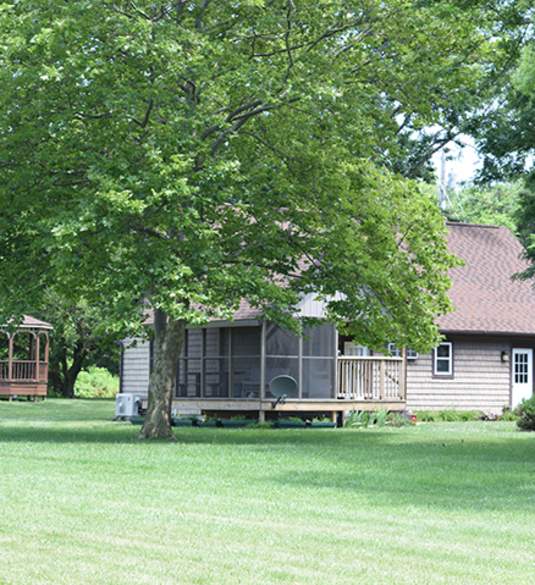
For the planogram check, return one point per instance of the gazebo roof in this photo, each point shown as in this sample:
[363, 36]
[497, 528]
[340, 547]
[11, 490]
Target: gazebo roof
[30, 322]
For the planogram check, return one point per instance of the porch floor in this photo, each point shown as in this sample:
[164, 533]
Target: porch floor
[288, 406]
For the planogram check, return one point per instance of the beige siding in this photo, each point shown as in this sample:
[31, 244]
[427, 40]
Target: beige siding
[135, 370]
[481, 380]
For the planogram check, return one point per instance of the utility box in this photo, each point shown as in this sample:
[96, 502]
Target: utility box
[127, 405]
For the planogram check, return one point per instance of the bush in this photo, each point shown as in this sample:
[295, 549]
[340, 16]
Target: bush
[379, 418]
[508, 415]
[395, 419]
[96, 383]
[357, 418]
[448, 415]
[426, 416]
[526, 422]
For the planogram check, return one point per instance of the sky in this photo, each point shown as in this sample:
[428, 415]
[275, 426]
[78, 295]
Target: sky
[461, 163]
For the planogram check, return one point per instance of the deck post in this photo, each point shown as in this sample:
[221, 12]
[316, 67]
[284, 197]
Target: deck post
[336, 389]
[381, 379]
[37, 352]
[300, 367]
[10, 358]
[261, 417]
[262, 363]
[403, 374]
[203, 361]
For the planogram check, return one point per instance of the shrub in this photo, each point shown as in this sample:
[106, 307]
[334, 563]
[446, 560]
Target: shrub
[96, 383]
[508, 415]
[395, 419]
[526, 422]
[469, 415]
[378, 418]
[448, 415]
[357, 418]
[426, 416]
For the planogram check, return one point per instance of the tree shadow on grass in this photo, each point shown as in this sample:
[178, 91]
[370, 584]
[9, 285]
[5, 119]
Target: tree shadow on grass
[99, 431]
[478, 476]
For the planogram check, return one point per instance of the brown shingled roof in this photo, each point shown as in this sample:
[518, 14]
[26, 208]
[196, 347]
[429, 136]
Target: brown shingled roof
[486, 297]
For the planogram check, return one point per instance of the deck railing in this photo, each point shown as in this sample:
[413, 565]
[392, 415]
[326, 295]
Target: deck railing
[23, 370]
[371, 378]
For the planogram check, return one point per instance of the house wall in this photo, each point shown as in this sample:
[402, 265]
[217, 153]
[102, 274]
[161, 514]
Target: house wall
[481, 380]
[135, 367]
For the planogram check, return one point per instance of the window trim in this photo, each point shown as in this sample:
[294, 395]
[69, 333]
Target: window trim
[450, 372]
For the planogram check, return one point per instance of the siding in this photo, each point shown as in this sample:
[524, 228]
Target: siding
[481, 380]
[135, 374]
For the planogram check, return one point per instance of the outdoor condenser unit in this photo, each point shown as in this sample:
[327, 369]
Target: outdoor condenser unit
[127, 405]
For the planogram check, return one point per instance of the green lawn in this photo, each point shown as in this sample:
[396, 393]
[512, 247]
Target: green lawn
[83, 502]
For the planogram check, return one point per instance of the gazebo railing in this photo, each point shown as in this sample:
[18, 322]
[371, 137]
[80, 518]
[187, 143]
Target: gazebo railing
[371, 378]
[23, 370]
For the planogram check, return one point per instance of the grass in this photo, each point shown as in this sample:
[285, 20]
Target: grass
[83, 501]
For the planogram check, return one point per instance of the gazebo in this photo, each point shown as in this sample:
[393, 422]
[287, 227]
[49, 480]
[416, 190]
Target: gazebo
[24, 359]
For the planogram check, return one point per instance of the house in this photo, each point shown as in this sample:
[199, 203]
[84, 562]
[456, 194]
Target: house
[24, 359]
[485, 361]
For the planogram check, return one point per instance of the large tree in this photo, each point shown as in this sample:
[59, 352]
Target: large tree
[83, 336]
[497, 204]
[179, 156]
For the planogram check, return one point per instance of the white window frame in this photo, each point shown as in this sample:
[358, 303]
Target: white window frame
[449, 359]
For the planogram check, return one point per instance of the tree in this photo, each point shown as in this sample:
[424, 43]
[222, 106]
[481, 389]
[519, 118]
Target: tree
[180, 156]
[496, 204]
[507, 139]
[82, 337]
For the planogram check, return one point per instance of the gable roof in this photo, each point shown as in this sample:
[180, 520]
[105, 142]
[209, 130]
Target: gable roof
[29, 322]
[486, 297]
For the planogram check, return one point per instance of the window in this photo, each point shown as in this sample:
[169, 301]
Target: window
[443, 359]
[394, 351]
[351, 348]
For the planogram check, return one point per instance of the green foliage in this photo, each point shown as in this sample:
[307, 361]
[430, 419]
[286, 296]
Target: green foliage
[183, 156]
[83, 336]
[496, 204]
[396, 419]
[509, 415]
[447, 415]
[357, 418]
[186, 153]
[364, 419]
[96, 382]
[526, 422]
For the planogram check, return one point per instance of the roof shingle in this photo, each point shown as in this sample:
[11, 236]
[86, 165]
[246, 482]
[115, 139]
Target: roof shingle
[486, 297]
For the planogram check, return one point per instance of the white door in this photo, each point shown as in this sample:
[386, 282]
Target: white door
[522, 373]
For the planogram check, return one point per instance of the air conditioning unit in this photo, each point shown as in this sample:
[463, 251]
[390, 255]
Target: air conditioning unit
[127, 405]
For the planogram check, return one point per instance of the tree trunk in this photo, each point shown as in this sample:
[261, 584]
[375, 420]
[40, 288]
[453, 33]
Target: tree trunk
[71, 374]
[62, 376]
[168, 341]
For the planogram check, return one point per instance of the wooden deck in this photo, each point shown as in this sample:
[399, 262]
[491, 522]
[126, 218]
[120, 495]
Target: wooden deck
[23, 378]
[362, 383]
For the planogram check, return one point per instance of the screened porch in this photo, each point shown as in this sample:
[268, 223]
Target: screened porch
[259, 365]
[258, 361]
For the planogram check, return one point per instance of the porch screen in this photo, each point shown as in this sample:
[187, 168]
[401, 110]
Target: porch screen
[245, 358]
[319, 361]
[282, 358]
[216, 363]
[220, 362]
[188, 378]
